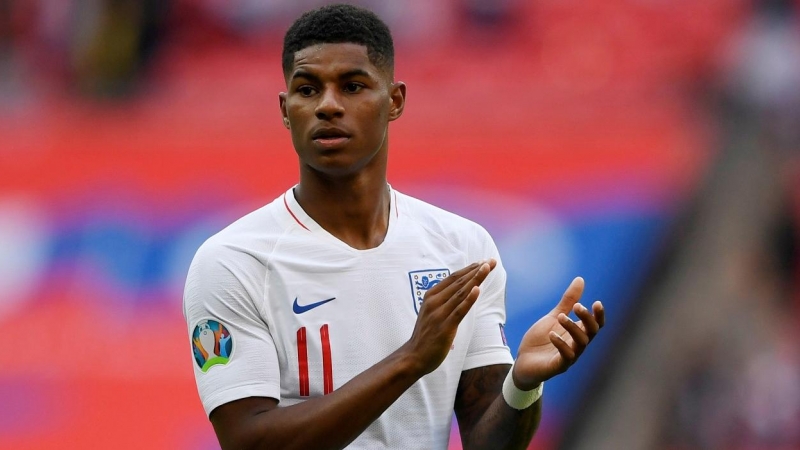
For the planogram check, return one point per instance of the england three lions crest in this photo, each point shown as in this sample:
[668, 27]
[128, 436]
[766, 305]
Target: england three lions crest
[422, 280]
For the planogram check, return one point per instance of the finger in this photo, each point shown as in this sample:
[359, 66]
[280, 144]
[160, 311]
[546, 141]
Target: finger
[564, 349]
[461, 309]
[571, 296]
[458, 281]
[599, 313]
[461, 294]
[590, 325]
[459, 289]
[453, 277]
[578, 335]
[466, 272]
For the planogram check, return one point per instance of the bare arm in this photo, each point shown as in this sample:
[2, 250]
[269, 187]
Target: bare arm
[548, 348]
[335, 420]
[331, 421]
[485, 420]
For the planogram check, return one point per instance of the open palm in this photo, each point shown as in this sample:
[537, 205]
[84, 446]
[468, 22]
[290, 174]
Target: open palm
[555, 342]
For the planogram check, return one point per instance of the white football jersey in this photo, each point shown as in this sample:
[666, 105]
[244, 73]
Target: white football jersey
[278, 307]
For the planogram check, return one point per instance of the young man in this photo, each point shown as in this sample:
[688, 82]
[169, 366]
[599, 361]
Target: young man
[346, 313]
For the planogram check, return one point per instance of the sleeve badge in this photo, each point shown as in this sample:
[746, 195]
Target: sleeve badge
[212, 344]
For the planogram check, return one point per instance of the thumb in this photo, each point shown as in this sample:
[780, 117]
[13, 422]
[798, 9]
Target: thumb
[571, 296]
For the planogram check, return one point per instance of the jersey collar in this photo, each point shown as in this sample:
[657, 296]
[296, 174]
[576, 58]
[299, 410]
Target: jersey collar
[306, 224]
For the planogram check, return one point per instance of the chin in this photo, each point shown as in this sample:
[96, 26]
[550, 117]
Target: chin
[336, 169]
[340, 162]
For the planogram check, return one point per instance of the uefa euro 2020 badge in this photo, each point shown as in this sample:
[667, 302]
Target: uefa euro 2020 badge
[212, 344]
[422, 280]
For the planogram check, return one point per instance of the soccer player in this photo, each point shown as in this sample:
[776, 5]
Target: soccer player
[345, 313]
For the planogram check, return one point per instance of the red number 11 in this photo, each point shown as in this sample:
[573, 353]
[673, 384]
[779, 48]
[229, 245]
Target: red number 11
[302, 358]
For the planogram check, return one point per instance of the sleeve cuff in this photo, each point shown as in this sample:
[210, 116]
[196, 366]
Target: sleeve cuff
[488, 359]
[236, 393]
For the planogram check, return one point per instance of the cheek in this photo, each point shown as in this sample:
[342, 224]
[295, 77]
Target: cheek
[297, 138]
[298, 121]
[295, 113]
[376, 119]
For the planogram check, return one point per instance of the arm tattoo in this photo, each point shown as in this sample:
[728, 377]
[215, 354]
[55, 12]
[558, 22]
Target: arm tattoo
[484, 419]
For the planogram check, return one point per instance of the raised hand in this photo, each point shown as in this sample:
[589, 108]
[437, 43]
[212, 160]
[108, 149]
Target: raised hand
[443, 308]
[555, 342]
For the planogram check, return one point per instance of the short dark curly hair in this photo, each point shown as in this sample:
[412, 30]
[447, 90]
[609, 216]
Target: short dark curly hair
[340, 23]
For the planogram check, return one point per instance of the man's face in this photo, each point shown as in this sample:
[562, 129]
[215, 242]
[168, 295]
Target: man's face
[338, 106]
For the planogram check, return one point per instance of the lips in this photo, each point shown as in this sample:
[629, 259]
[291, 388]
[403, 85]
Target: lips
[329, 133]
[329, 137]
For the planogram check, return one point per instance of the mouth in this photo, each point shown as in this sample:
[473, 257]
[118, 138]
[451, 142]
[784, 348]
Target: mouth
[329, 137]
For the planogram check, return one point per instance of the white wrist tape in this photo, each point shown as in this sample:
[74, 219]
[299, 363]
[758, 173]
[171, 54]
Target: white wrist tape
[517, 398]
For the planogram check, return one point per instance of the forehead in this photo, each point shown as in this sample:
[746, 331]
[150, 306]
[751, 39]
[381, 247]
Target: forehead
[333, 59]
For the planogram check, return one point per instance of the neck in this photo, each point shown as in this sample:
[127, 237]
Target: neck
[354, 209]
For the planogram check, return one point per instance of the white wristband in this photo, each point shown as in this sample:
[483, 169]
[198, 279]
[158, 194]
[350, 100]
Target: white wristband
[516, 397]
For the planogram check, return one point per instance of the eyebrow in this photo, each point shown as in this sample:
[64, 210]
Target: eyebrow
[300, 73]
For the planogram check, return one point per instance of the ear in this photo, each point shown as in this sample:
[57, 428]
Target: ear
[282, 102]
[397, 94]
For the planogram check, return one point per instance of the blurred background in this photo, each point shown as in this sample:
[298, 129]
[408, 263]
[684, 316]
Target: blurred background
[650, 146]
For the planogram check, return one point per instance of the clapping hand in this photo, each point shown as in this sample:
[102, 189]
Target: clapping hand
[555, 341]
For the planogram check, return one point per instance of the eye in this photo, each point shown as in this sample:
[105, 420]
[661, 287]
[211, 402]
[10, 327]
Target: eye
[306, 90]
[352, 87]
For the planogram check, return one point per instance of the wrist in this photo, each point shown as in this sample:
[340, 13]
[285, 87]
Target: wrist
[410, 364]
[518, 398]
[523, 386]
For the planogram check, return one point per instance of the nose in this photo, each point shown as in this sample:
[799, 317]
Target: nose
[329, 105]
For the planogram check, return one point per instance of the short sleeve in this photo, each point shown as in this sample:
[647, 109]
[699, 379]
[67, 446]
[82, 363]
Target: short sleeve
[488, 343]
[233, 352]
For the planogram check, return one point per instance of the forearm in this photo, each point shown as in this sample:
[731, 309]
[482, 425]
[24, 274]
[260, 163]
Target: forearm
[331, 421]
[502, 427]
[485, 419]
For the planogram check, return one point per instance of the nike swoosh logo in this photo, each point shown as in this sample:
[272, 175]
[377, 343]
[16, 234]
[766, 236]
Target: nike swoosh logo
[300, 309]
